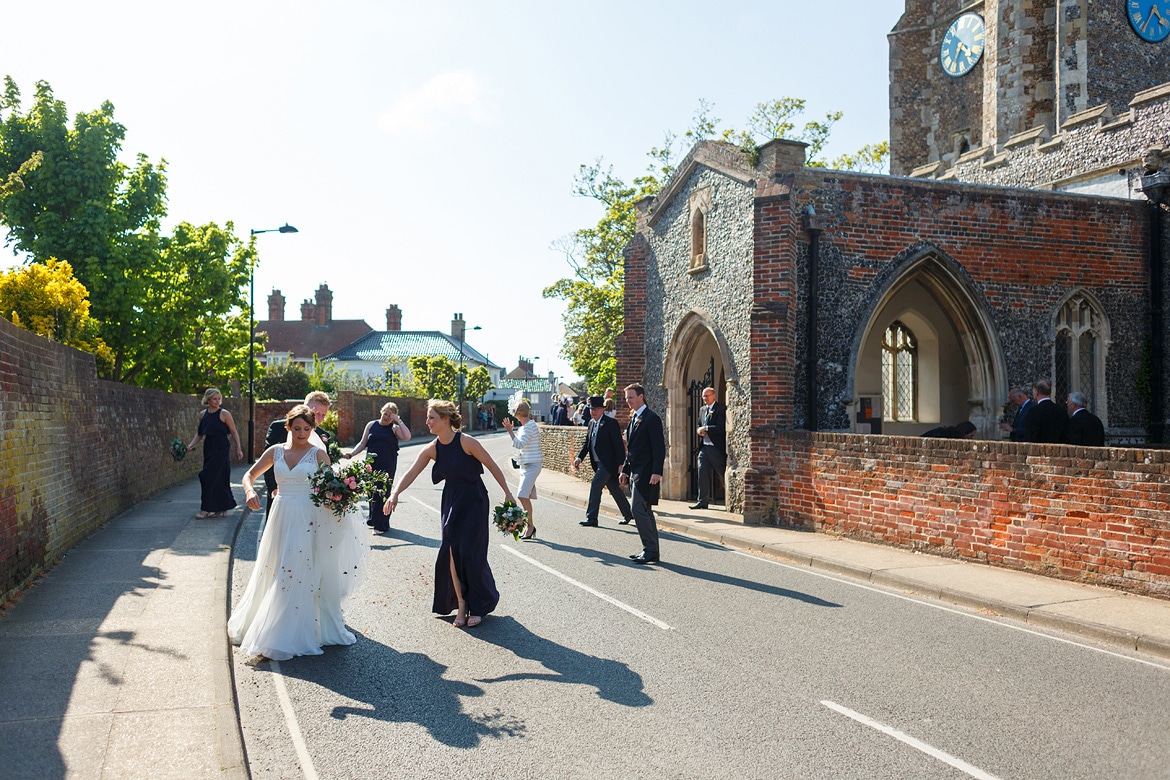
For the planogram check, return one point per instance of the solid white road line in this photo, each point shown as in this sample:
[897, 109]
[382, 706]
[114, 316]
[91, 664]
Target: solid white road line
[290, 719]
[943, 608]
[917, 744]
[621, 605]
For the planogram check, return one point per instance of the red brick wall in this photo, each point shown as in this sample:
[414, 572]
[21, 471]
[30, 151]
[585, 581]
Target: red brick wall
[353, 412]
[77, 451]
[1097, 515]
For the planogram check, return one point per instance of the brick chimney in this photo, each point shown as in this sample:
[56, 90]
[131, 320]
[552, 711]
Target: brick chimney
[458, 326]
[275, 306]
[324, 305]
[308, 311]
[525, 365]
[394, 318]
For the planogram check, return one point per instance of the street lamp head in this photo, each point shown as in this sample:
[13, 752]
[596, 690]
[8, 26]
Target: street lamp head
[287, 228]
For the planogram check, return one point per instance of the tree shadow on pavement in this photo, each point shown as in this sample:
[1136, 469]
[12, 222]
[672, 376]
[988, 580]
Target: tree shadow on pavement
[613, 680]
[759, 587]
[401, 688]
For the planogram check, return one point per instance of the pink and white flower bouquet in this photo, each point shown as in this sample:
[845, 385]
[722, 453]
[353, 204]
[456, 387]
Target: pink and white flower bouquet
[339, 487]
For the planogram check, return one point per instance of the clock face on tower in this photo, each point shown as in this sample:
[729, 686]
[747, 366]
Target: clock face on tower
[1150, 19]
[962, 46]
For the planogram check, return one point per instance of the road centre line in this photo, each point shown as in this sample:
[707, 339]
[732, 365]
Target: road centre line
[917, 744]
[294, 730]
[943, 608]
[610, 599]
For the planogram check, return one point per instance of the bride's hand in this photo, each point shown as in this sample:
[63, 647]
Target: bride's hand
[252, 500]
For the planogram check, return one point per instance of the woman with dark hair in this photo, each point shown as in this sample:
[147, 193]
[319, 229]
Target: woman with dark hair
[216, 427]
[308, 559]
[381, 438]
[463, 579]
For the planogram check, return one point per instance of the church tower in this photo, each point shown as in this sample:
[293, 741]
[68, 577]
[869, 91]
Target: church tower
[967, 78]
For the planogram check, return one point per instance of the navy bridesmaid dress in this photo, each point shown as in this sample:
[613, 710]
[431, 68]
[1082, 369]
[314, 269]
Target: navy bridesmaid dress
[465, 532]
[216, 477]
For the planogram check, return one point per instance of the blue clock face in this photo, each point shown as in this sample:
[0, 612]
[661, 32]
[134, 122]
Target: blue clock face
[962, 46]
[1150, 19]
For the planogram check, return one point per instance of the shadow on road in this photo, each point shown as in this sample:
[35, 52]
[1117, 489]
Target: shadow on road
[401, 688]
[613, 680]
[759, 587]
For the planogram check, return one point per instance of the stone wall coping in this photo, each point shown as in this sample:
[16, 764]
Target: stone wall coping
[706, 153]
[1151, 94]
[1027, 137]
[927, 170]
[1088, 115]
[974, 154]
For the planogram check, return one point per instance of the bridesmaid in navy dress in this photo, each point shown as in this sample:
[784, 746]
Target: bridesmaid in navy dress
[463, 579]
[216, 426]
[381, 438]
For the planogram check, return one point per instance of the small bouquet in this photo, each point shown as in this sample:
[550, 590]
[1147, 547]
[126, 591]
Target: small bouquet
[510, 519]
[178, 449]
[340, 487]
[333, 449]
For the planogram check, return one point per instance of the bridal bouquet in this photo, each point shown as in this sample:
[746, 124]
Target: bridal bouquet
[510, 519]
[178, 449]
[339, 487]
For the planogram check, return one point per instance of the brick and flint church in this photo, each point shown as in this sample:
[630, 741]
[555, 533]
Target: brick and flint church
[1022, 235]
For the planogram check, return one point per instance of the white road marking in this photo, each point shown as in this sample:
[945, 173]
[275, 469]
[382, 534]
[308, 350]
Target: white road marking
[621, 605]
[428, 506]
[917, 744]
[959, 612]
[290, 719]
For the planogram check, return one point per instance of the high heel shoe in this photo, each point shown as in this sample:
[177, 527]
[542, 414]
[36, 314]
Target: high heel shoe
[531, 535]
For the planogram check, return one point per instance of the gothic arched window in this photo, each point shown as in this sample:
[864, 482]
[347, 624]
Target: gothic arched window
[1079, 357]
[899, 374]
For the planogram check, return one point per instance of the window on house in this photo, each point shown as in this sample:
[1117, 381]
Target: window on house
[1078, 358]
[899, 374]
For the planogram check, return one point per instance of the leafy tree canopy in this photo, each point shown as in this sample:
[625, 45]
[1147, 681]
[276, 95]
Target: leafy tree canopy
[164, 304]
[46, 299]
[595, 291]
[282, 380]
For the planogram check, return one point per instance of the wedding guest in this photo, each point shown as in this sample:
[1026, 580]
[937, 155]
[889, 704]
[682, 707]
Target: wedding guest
[308, 560]
[603, 444]
[318, 403]
[1047, 420]
[645, 457]
[1023, 405]
[712, 433]
[1084, 428]
[964, 430]
[463, 579]
[531, 460]
[381, 438]
[216, 427]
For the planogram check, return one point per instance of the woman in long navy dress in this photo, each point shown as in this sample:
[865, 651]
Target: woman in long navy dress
[381, 437]
[216, 426]
[463, 579]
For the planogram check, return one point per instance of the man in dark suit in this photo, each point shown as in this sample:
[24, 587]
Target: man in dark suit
[713, 451]
[1023, 403]
[645, 456]
[278, 434]
[1046, 421]
[603, 444]
[1084, 427]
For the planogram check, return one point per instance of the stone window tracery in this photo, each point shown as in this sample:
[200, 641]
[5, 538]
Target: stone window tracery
[700, 206]
[1078, 354]
[899, 374]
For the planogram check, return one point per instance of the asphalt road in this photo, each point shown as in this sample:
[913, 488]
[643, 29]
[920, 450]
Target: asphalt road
[713, 664]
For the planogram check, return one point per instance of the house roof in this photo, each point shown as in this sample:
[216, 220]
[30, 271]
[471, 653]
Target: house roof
[304, 338]
[532, 385]
[382, 345]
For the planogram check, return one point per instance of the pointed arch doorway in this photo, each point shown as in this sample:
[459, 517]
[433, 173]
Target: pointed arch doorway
[698, 357]
[930, 352]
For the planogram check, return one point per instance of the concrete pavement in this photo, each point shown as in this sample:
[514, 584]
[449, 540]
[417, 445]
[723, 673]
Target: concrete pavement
[116, 664]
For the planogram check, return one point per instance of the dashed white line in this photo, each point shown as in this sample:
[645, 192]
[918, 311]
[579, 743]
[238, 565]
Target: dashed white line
[917, 744]
[290, 719]
[610, 599]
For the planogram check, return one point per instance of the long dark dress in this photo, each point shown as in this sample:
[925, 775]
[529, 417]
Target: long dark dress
[384, 445]
[465, 532]
[216, 477]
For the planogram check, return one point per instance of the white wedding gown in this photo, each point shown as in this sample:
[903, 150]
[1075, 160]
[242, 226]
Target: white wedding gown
[308, 561]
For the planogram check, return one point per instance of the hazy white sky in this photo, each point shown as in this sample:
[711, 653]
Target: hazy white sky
[426, 150]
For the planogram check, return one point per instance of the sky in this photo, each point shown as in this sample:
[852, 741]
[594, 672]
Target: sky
[426, 151]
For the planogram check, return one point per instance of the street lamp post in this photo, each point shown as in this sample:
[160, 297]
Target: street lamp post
[462, 378]
[285, 228]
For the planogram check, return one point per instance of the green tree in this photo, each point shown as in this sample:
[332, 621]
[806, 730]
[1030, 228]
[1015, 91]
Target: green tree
[595, 292]
[434, 376]
[478, 382]
[158, 300]
[282, 380]
[45, 299]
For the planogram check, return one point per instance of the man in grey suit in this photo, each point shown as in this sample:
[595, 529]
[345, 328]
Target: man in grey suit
[645, 457]
[713, 451]
[603, 444]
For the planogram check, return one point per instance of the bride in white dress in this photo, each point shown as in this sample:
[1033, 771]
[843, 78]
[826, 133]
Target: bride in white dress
[308, 561]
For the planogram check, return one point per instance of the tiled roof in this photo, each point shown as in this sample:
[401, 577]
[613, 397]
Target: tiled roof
[537, 385]
[382, 345]
[304, 338]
